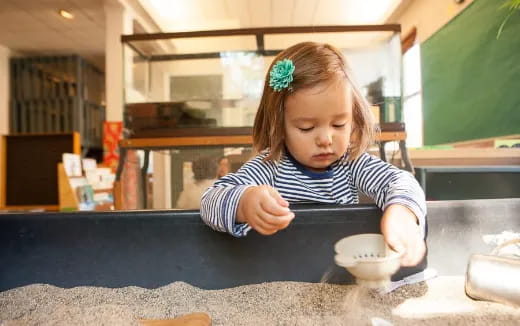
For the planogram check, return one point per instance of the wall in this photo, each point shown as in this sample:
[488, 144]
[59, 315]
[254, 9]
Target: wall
[118, 21]
[428, 16]
[470, 78]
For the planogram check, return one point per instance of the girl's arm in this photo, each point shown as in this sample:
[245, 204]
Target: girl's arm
[388, 185]
[219, 203]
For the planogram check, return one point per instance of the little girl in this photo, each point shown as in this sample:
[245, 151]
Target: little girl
[312, 130]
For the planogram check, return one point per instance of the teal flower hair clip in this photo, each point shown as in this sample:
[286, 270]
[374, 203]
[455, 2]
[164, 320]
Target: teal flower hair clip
[281, 75]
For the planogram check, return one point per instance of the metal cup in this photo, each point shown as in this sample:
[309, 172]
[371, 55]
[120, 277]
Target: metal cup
[494, 278]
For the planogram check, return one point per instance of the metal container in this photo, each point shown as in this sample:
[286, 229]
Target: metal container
[494, 277]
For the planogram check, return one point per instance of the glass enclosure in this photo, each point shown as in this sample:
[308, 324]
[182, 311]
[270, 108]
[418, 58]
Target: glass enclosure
[209, 83]
[184, 80]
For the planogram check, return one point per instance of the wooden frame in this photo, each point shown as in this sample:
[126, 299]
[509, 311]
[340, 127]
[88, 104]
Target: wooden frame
[165, 142]
[465, 156]
[258, 32]
[408, 40]
[264, 31]
[151, 143]
[482, 143]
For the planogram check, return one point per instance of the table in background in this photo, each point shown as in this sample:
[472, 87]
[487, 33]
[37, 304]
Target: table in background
[469, 182]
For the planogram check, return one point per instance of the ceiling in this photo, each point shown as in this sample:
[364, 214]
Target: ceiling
[180, 15]
[34, 27]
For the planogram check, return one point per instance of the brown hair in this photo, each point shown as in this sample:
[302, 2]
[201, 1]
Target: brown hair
[315, 63]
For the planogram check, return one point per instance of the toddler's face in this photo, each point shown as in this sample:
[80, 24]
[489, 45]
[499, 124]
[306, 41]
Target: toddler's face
[318, 123]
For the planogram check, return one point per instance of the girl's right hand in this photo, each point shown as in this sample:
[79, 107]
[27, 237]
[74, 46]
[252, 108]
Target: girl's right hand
[264, 210]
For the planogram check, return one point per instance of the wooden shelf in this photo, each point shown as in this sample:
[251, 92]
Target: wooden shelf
[166, 142]
[465, 156]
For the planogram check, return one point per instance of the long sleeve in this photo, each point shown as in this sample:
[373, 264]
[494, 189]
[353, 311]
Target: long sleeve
[383, 182]
[219, 202]
[389, 185]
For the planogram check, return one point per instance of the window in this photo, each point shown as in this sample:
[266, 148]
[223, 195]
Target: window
[412, 99]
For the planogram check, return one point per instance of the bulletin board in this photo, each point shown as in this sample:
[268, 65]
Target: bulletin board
[30, 169]
[470, 79]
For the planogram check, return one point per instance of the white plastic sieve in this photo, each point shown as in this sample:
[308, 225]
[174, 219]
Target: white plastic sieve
[368, 258]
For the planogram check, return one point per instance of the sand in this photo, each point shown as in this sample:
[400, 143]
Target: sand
[440, 301]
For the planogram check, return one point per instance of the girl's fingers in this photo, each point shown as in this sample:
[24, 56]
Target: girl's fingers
[272, 206]
[395, 243]
[417, 247]
[418, 253]
[282, 221]
[270, 213]
[278, 221]
[401, 247]
[267, 220]
[261, 227]
[409, 257]
[415, 251]
[266, 223]
[278, 198]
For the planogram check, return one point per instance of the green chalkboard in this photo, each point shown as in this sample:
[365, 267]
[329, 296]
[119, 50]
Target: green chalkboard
[471, 79]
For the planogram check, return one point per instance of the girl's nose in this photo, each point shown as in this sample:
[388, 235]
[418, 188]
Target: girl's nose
[324, 138]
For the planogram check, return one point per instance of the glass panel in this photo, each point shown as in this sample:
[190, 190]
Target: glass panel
[413, 121]
[136, 73]
[221, 92]
[178, 84]
[377, 71]
[412, 104]
[211, 86]
[374, 59]
[412, 71]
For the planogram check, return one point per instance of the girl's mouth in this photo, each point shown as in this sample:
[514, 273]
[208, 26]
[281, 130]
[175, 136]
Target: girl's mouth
[324, 156]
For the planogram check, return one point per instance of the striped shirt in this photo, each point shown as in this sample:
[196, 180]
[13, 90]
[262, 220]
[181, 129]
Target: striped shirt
[381, 181]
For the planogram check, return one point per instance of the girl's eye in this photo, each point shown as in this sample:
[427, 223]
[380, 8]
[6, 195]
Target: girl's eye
[339, 126]
[306, 129]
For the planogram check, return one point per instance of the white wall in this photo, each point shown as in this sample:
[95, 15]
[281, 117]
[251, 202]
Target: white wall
[118, 21]
[428, 16]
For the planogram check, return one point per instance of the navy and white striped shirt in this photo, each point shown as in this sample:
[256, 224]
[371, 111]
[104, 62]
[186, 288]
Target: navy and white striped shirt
[381, 181]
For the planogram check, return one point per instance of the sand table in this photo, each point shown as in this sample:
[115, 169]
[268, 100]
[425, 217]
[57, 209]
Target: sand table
[440, 301]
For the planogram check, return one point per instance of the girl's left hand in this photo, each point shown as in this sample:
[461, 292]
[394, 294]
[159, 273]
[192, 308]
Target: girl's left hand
[402, 233]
